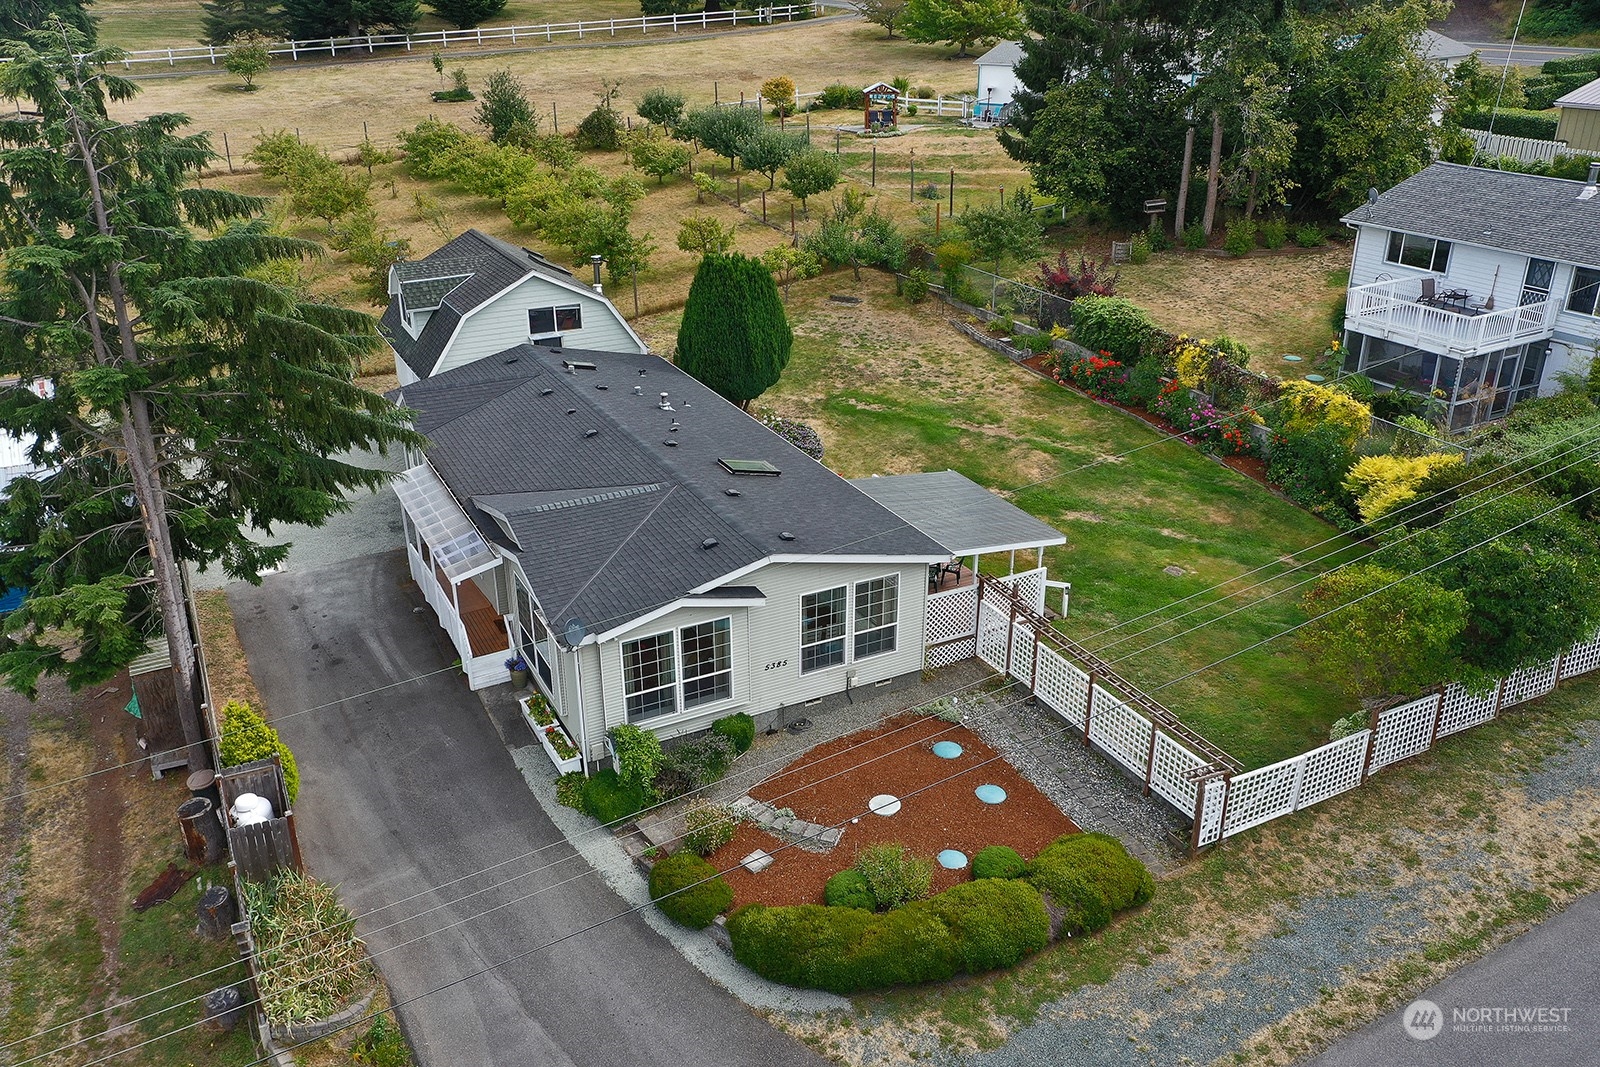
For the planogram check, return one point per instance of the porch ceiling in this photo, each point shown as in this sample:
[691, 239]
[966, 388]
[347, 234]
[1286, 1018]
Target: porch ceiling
[958, 513]
[458, 549]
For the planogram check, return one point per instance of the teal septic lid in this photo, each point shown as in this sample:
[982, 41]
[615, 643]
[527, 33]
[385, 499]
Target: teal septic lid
[946, 749]
[1315, 378]
[1290, 357]
[952, 860]
[990, 794]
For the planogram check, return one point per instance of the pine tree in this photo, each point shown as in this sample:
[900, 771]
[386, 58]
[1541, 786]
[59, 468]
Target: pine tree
[734, 336]
[465, 14]
[223, 20]
[309, 20]
[193, 400]
[17, 17]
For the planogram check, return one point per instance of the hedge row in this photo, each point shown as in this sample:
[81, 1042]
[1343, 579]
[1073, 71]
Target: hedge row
[970, 928]
[1543, 92]
[1513, 122]
[1587, 64]
[1087, 878]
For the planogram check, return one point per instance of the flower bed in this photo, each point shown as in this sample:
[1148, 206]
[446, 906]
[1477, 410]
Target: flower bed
[557, 743]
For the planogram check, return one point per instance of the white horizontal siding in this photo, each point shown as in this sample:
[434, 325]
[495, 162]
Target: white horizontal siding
[504, 322]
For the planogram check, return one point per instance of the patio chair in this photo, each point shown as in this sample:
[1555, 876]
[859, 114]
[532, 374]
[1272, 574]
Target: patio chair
[1430, 291]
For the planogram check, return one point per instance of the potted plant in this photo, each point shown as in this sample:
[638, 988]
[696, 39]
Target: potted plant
[520, 675]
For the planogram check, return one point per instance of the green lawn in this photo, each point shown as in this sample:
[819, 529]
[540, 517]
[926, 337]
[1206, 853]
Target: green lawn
[892, 389]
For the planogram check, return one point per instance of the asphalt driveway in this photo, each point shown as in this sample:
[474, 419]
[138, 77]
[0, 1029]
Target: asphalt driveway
[409, 788]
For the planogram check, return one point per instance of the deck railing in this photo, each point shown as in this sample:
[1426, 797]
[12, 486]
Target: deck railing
[1394, 310]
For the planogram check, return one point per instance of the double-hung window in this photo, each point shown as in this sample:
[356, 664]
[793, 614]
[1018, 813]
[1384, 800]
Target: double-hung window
[1424, 253]
[822, 628]
[678, 670]
[1585, 296]
[877, 615]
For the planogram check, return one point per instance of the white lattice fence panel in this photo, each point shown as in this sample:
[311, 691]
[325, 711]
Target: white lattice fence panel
[1263, 795]
[1029, 587]
[1404, 731]
[1022, 653]
[1062, 686]
[1123, 733]
[953, 614]
[1166, 773]
[1464, 709]
[952, 652]
[1211, 812]
[992, 627]
[1529, 683]
[1581, 659]
[1332, 769]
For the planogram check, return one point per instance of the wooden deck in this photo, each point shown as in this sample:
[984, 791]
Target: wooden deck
[948, 582]
[486, 630]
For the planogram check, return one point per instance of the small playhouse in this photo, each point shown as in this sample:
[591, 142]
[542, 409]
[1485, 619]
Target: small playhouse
[882, 102]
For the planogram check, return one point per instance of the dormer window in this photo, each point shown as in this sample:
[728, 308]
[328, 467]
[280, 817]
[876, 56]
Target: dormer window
[543, 322]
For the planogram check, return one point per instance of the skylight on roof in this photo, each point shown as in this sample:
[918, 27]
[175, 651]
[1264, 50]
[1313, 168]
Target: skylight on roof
[758, 467]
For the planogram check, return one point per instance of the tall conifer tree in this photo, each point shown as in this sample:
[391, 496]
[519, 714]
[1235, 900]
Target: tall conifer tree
[734, 336]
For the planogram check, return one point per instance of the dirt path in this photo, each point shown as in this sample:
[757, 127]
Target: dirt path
[110, 735]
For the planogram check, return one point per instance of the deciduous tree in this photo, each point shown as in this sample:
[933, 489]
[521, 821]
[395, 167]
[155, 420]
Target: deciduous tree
[247, 57]
[191, 402]
[766, 151]
[1383, 634]
[961, 22]
[661, 107]
[734, 336]
[883, 13]
[809, 172]
[657, 156]
[704, 235]
[724, 130]
[504, 106]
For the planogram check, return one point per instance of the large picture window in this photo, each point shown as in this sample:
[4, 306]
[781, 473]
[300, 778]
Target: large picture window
[707, 662]
[877, 615]
[1424, 253]
[648, 677]
[1585, 296]
[822, 629]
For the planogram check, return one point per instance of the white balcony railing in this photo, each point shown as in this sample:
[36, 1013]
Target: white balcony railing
[1394, 310]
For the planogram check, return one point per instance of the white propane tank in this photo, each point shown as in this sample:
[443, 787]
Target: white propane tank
[250, 808]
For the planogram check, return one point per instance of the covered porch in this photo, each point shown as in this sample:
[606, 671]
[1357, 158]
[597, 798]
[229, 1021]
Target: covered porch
[447, 554]
[970, 522]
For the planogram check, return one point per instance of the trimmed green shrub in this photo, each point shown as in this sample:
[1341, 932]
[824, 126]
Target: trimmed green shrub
[1586, 64]
[708, 827]
[1102, 859]
[848, 889]
[1513, 122]
[970, 928]
[839, 96]
[1194, 236]
[1113, 325]
[739, 728]
[1077, 907]
[689, 890]
[893, 875]
[992, 923]
[1240, 238]
[608, 798]
[1274, 232]
[691, 765]
[246, 737]
[734, 337]
[998, 861]
[1310, 235]
[639, 754]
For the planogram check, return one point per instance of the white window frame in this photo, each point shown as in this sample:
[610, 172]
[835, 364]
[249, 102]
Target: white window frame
[1593, 289]
[723, 669]
[843, 636]
[1433, 266]
[893, 625]
[679, 679]
[556, 311]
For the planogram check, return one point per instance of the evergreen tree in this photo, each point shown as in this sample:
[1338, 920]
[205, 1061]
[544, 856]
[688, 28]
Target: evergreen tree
[734, 336]
[17, 17]
[223, 20]
[504, 106]
[193, 399]
[310, 20]
[465, 14]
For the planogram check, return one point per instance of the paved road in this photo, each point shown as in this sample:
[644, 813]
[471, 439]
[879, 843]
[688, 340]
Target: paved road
[1555, 966]
[411, 788]
[1527, 55]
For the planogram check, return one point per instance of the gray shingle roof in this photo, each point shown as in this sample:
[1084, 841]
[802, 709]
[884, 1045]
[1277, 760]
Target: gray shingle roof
[958, 513]
[1524, 213]
[1436, 46]
[490, 265]
[1004, 54]
[612, 523]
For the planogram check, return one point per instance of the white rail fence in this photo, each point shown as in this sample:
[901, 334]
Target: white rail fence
[1522, 149]
[547, 33]
[1221, 803]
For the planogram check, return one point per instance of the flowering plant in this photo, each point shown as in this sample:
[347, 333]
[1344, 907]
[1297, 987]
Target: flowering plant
[1099, 376]
[559, 741]
[516, 663]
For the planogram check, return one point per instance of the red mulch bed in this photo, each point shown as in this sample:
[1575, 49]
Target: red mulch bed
[832, 783]
[1252, 467]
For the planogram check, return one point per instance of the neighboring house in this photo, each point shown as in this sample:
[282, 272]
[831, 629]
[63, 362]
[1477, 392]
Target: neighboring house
[1478, 286]
[1579, 124]
[478, 294]
[1444, 51]
[659, 557]
[997, 80]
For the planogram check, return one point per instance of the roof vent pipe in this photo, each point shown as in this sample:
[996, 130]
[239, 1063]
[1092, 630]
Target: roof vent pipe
[595, 261]
[665, 405]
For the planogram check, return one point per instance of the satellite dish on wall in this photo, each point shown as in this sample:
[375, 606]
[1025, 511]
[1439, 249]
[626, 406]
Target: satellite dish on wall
[575, 632]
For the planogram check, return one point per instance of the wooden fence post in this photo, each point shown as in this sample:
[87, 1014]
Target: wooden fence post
[1499, 697]
[1227, 795]
[1372, 743]
[1150, 760]
[1011, 635]
[1088, 710]
[1033, 669]
[1438, 713]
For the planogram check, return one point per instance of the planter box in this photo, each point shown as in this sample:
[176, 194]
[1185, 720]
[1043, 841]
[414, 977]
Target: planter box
[562, 766]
